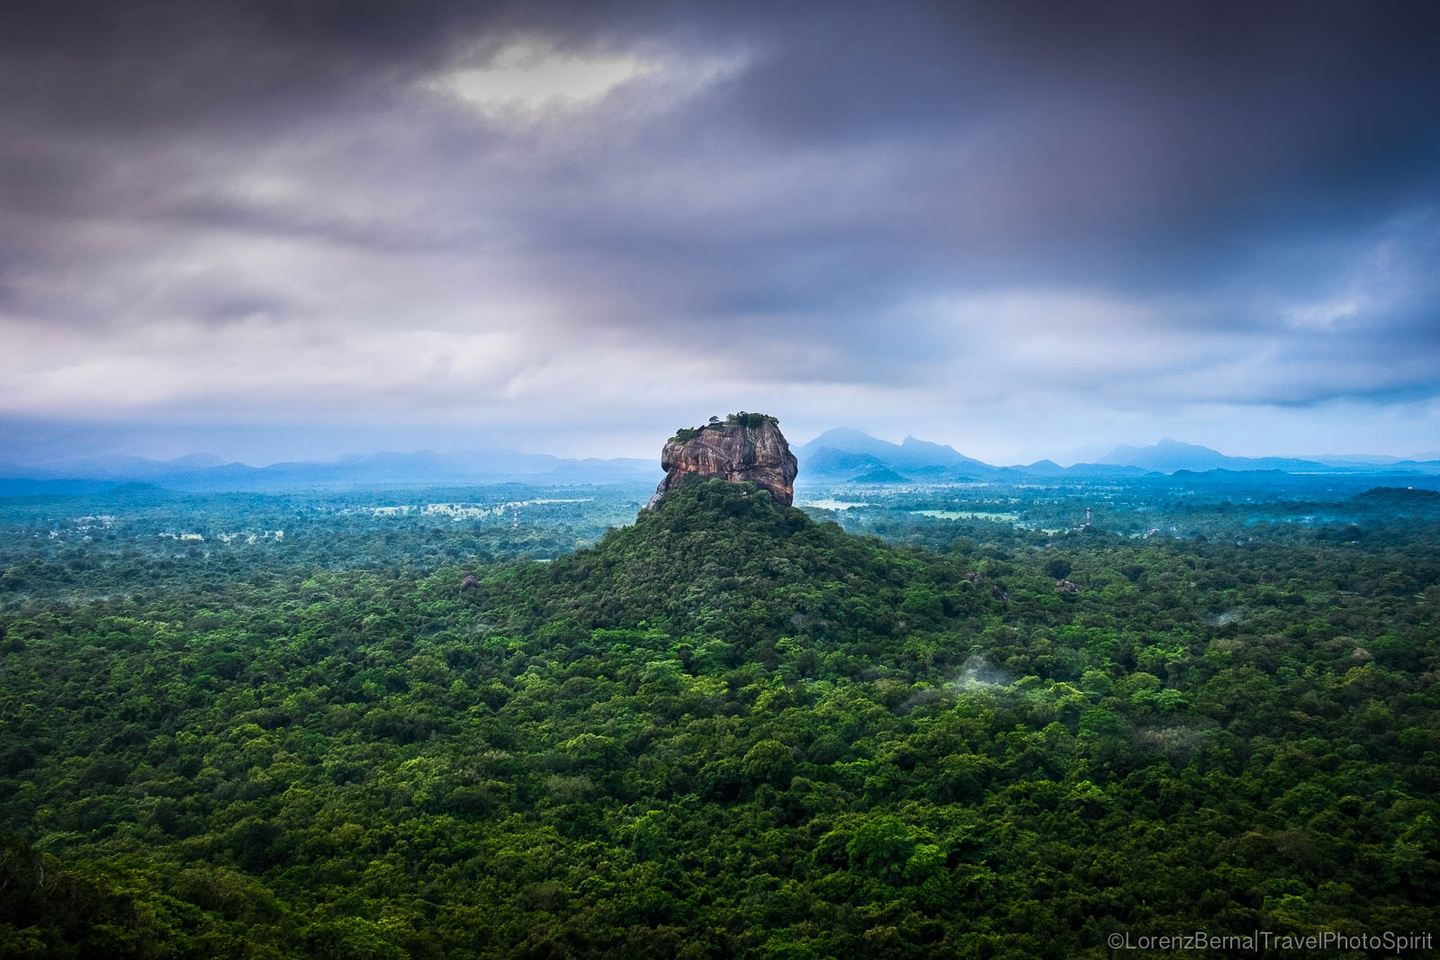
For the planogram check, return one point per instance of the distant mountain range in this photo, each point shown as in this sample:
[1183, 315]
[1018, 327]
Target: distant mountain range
[205, 472]
[1171, 456]
[1168, 456]
[843, 454]
[839, 455]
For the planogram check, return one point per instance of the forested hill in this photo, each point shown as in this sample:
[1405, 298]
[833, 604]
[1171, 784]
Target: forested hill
[732, 731]
[721, 562]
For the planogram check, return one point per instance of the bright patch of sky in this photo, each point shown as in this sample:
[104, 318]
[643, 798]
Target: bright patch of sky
[532, 76]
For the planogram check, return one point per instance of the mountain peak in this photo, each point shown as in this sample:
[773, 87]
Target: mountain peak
[844, 450]
[850, 440]
[1170, 443]
[1170, 455]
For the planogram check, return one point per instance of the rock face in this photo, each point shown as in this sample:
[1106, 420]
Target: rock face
[743, 446]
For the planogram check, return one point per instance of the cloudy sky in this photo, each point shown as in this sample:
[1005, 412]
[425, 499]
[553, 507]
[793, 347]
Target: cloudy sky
[283, 228]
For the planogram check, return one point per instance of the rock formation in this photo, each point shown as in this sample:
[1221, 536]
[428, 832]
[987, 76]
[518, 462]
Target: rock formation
[743, 446]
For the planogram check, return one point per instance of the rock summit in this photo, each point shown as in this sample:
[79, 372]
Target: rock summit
[742, 447]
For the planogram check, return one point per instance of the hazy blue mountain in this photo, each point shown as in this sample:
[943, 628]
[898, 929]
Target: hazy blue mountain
[1357, 460]
[1410, 466]
[1168, 456]
[1424, 463]
[830, 462]
[910, 453]
[941, 473]
[1041, 468]
[848, 440]
[924, 453]
[204, 472]
[881, 474]
[115, 467]
[844, 454]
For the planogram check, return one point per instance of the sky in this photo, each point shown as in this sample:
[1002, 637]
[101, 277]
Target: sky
[291, 229]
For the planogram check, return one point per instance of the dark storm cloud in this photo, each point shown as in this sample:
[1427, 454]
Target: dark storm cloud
[1111, 204]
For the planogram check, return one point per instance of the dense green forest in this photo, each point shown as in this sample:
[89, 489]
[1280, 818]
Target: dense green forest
[730, 729]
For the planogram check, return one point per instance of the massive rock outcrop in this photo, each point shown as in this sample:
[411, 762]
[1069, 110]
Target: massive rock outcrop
[743, 446]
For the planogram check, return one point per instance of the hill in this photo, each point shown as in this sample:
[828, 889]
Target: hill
[845, 454]
[1168, 456]
[880, 475]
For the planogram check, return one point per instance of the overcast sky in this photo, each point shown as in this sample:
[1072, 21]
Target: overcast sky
[299, 228]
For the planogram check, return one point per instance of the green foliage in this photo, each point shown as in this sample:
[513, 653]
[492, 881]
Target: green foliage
[881, 847]
[769, 761]
[742, 419]
[725, 730]
[751, 420]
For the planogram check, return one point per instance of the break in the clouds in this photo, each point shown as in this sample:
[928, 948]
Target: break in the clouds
[1009, 226]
